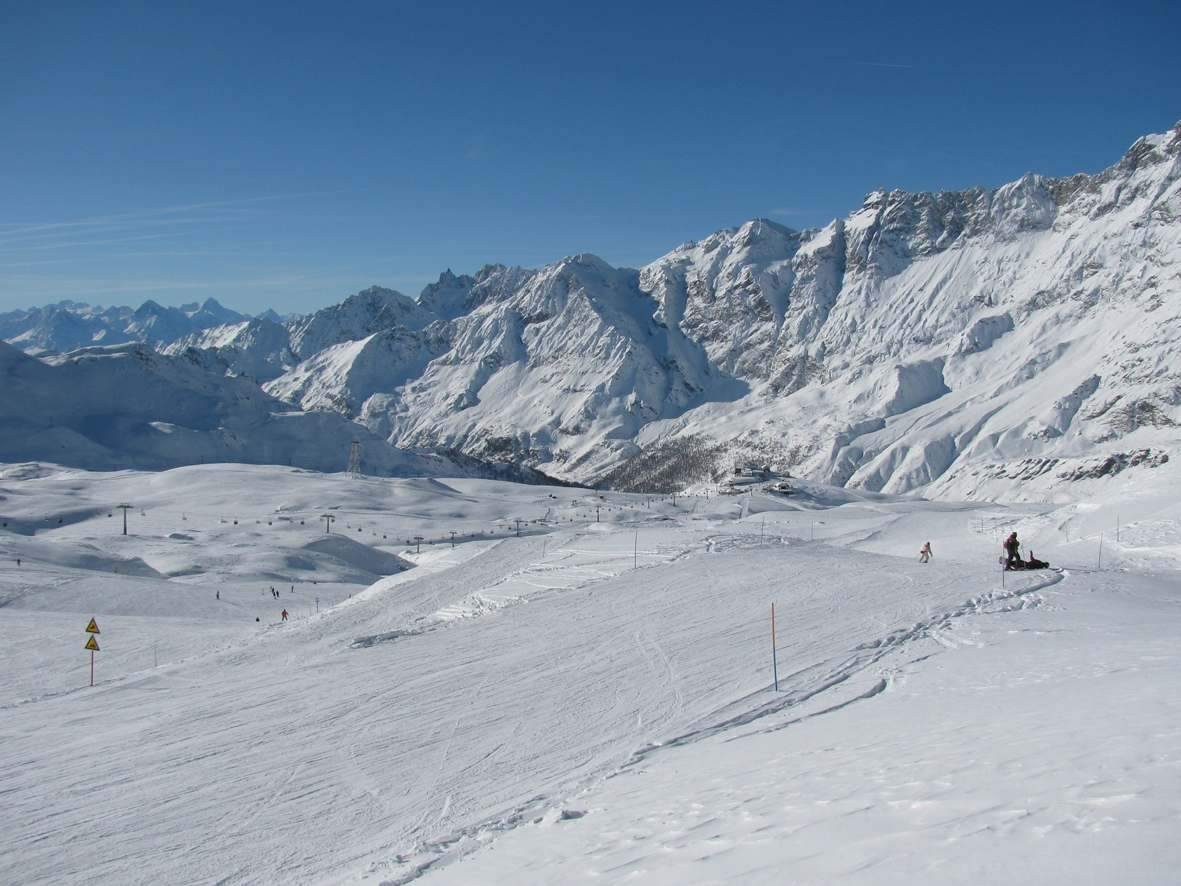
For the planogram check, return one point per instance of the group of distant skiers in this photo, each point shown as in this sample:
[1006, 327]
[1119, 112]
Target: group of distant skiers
[1012, 558]
[274, 593]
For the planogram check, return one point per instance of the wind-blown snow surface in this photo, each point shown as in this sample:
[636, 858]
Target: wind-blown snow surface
[590, 700]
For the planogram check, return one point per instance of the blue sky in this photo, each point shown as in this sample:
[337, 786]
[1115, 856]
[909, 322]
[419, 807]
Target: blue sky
[286, 155]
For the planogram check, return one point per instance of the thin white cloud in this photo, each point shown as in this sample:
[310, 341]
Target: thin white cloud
[68, 244]
[157, 215]
[109, 256]
[63, 287]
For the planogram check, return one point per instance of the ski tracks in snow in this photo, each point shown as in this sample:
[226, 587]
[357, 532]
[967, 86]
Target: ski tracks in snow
[814, 681]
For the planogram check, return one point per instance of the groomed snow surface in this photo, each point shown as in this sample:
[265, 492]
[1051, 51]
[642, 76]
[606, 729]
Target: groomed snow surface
[589, 701]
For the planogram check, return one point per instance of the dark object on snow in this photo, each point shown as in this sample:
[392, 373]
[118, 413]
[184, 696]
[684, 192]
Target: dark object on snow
[1034, 563]
[1012, 552]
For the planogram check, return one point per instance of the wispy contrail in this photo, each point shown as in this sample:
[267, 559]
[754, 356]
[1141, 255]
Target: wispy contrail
[41, 247]
[158, 215]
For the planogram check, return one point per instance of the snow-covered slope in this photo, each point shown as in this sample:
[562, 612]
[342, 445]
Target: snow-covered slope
[342, 377]
[561, 366]
[64, 326]
[259, 348]
[947, 339]
[265, 348]
[592, 702]
[129, 406]
[358, 316]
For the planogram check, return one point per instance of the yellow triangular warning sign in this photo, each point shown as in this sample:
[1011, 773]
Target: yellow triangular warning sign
[92, 628]
[91, 644]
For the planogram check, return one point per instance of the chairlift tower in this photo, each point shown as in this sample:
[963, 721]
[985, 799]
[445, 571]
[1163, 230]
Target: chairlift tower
[355, 460]
[124, 508]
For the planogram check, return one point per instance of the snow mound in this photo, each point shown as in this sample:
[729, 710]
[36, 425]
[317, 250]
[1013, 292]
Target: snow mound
[76, 555]
[354, 557]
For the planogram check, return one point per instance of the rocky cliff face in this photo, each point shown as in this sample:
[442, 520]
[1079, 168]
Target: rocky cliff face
[561, 366]
[926, 333]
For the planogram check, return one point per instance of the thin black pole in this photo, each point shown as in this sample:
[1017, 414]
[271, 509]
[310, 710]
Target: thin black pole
[774, 651]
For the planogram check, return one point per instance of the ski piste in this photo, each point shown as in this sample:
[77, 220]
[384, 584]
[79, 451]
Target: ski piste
[593, 698]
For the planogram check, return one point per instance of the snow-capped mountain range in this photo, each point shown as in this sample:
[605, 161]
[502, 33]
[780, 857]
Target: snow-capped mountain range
[68, 325]
[986, 342]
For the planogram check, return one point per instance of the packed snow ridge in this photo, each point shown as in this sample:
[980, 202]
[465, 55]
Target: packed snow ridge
[930, 341]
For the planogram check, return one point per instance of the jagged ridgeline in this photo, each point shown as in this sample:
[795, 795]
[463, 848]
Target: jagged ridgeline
[940, 342]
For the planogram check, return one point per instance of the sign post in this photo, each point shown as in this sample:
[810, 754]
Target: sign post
[92, 645]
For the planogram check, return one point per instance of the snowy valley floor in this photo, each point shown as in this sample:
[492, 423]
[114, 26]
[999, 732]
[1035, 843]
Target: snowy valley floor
[591, 701]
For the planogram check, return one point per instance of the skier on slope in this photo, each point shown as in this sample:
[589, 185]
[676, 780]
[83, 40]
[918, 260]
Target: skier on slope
[925, 553]
[284, 613]
[1012, 551]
